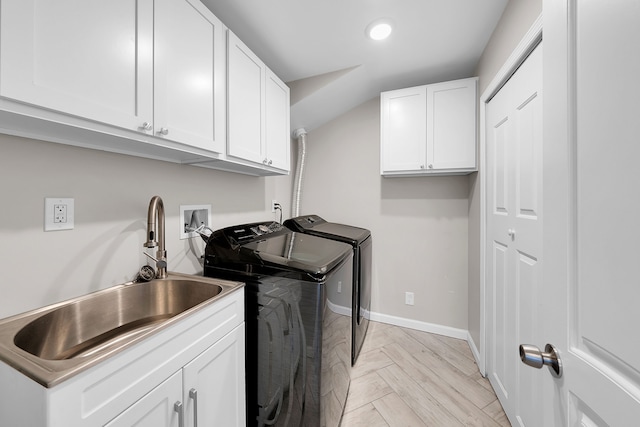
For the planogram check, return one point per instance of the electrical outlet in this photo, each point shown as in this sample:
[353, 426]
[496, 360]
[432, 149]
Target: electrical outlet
[408, 298]
[58, 214]
[274, 204]
[192, 217]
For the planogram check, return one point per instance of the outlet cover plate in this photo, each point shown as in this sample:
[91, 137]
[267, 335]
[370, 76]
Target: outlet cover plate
[58, 214]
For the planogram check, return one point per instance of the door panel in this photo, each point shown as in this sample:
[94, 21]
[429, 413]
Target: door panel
[591, 152]
[514, 228]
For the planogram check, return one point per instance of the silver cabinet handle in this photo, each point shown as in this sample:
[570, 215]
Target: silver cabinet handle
[270, 161]
[193, 394]
[180, 410]
[430, 166]
[163, 131]
[146, 126]
[511, 232]
[532, 356]
[264, 162]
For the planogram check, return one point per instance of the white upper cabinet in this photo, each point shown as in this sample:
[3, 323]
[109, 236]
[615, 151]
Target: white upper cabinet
[246, 79]
[429, 129]
[189, 74]
[258, 110]
[277, 122]
[87, 58]
[145, 78]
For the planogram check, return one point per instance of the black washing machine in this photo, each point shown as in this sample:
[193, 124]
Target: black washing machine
[298, 347]
[361, 242]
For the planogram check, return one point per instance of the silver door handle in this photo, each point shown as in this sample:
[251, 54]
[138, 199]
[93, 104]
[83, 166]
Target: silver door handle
[193, 394]
[180, 410]
[532, 356]
[511, 232]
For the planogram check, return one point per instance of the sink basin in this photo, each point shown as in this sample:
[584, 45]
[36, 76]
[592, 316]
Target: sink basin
[83, 327]
[55, 342]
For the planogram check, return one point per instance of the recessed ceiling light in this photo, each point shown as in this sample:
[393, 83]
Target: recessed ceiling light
[379, 29]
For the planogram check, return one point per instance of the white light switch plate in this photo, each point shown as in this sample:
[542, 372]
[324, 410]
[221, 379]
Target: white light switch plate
[58, 214]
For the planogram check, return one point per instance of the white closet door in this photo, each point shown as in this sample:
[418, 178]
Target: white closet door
[514, 237]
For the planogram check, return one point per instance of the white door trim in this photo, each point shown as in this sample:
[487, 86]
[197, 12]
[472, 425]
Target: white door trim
[530, 40]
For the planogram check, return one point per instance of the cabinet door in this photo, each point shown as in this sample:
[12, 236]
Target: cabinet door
[245, 101]
[155, 409]
[217, 378]
[53, 56]
[451, 125]
[403, 129]
[189, 80]
[277, 133]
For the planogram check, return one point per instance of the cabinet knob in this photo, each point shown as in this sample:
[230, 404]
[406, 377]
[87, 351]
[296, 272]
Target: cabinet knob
[421, 166]
[270, 161]
[146, 126]
[264, 162]
[163, 131]
[430, 166]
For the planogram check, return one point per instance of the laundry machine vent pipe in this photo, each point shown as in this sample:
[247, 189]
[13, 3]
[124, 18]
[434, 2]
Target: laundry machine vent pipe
[300, 135]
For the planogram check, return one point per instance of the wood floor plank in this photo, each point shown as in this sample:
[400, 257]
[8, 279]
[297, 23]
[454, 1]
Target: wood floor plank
[365, 416]
[397, 413]
[406, 378]
[495, 411]
[402, 337]
[366, 389]
[474, 391]
[457, 403]
[430, 411]
[464, 364]
[461, 346]
[370, 362]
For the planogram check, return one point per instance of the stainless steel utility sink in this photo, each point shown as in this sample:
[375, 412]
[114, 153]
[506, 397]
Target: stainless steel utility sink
[55, 342]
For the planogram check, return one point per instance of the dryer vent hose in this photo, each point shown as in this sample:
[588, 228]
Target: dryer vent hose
[301, 135]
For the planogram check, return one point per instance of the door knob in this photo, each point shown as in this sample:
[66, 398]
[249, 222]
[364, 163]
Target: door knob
[532, 356]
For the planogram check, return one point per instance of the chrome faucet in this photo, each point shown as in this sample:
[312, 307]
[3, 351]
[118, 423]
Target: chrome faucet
[155, 235]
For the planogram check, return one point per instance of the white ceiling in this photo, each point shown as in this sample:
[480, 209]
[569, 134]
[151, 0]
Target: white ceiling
[303, 40]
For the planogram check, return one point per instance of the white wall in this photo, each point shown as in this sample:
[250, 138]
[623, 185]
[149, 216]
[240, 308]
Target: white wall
[419, 225]
[112, 194]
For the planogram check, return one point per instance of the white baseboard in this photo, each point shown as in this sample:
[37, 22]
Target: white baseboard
[447, 331]
[476, 353]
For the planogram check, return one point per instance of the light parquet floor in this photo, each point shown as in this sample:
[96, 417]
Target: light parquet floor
[410, 378]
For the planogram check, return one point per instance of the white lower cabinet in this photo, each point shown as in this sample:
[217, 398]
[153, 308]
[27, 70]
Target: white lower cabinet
[140, 386]
[208, 391]
[156, 409]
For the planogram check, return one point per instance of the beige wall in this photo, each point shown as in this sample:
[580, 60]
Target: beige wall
[514, 23]
[419, 225]
[111, 193]
[516, 20]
